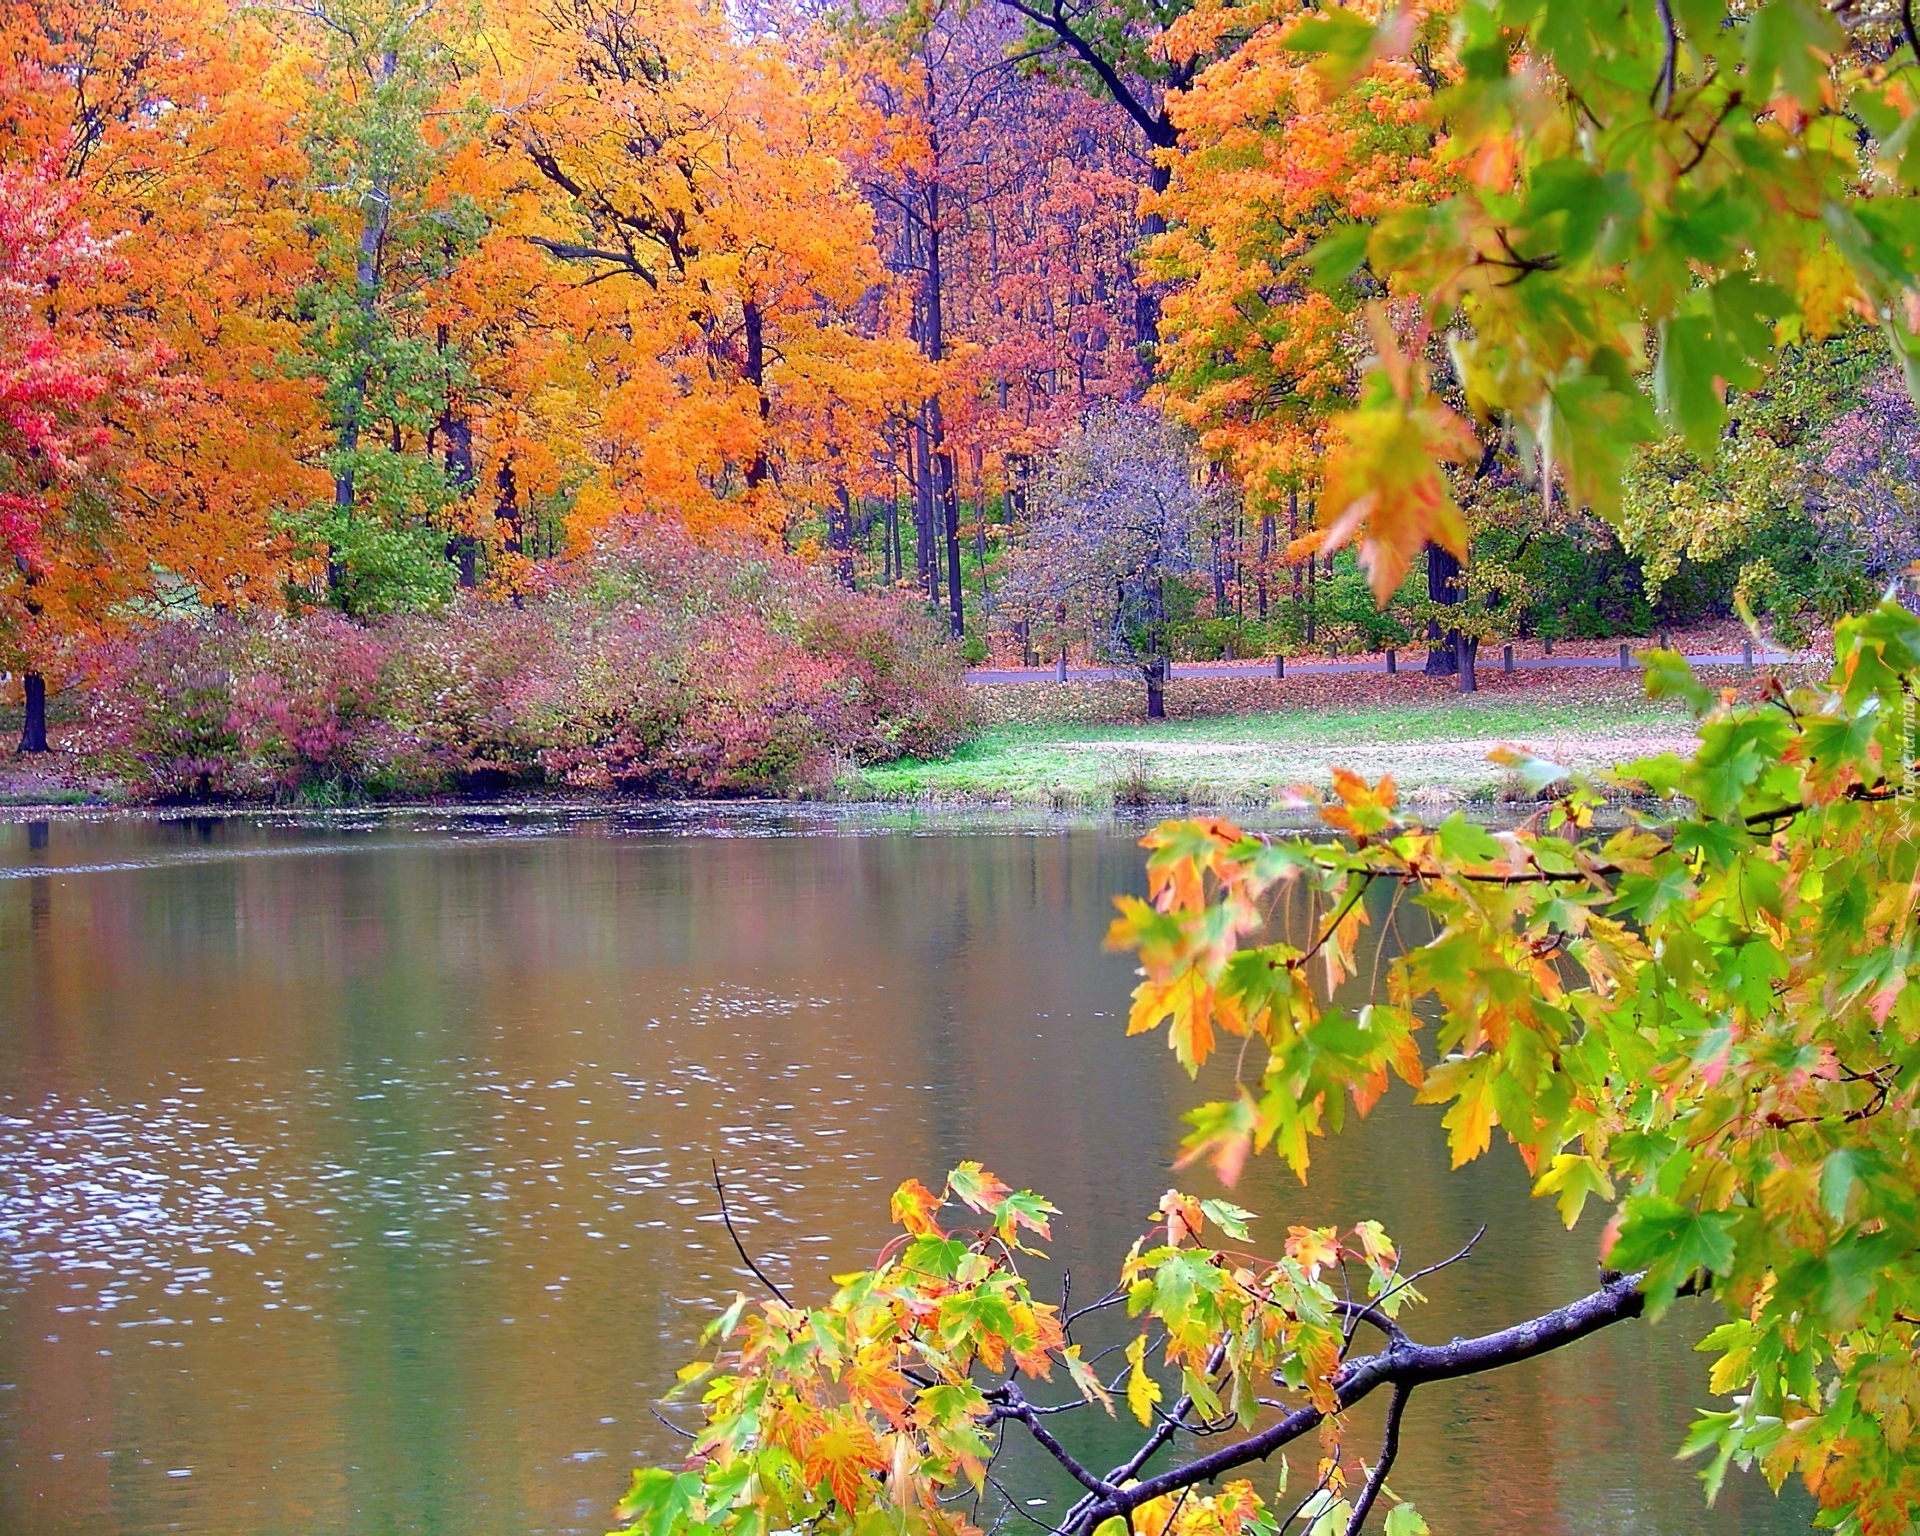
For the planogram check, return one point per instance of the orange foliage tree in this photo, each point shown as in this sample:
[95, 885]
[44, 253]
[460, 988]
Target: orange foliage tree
[722, 301]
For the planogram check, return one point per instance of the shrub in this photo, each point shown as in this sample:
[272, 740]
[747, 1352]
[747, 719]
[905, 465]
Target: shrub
[665, 668]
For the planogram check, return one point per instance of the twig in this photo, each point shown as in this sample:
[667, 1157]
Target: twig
[1389, 1448]
[1617, 1300]
[1367, 877]
[1019, 1408]
[1314, 1492]
[747, 1258]
[685, 1434]
[1662, 98]
[1420, 1274]
[1112, 1298]
[1014, 1505]
[1357, 1313]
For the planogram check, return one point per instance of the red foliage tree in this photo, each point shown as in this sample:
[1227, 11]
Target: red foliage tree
[60, 391]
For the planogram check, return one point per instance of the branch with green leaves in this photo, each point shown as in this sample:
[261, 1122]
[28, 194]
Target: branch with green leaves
[1700, 1017]
[889, 1404]
[1707, 1023]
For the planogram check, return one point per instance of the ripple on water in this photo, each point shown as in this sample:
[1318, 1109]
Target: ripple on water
[222, 1200]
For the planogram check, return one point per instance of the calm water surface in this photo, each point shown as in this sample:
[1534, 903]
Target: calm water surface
[354, 1175]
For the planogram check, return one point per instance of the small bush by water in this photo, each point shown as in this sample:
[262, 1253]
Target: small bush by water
[663, 668]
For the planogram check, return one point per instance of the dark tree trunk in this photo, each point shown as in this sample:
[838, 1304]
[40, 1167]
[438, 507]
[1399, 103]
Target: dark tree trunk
[1443, 647]
[840, 533]
[1146, 302]
[1312, 601]
[1467, 649]
[925, 565]
[33, 736]
[754, 325]
[506, 509]
[943, 501]
[1293, 532]
[949, 499]
[1266, 556]
[1156, 671]
[457, 430]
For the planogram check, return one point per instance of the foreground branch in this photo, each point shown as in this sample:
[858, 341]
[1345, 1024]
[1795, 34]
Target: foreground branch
[1403, 1365]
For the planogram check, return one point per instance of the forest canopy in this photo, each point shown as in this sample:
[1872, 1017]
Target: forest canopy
[1561, 319]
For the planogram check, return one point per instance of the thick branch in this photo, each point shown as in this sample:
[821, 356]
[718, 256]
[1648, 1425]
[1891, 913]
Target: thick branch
[1054, 19]
[1389, 1448]
[567, 250]
[1401, 1366]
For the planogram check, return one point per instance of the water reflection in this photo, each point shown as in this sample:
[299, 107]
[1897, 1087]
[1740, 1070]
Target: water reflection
[354, 1172]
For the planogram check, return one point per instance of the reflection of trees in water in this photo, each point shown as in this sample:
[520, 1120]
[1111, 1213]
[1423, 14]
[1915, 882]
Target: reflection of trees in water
[825, 1016]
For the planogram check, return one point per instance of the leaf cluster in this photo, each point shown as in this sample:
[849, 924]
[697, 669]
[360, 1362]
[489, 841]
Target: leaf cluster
[1702, 1017]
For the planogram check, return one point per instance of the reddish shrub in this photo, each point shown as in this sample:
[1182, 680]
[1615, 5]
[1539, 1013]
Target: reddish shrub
[665, 668]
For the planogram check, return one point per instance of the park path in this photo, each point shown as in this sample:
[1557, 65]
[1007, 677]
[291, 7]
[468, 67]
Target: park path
[1621, 661]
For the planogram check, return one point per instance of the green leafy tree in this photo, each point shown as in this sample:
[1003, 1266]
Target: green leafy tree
[1749, 510]
[386, 115]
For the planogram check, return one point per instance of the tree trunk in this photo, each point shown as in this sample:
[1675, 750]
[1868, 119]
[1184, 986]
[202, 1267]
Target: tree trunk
[754, 325]
[840, 533]
[376, 207]
[457, 430]
[947, 497]
[506, 509]
[1312, 602]
[1146, 302]
[895, 553]
[1293, 532]
[1156, 671]
[1443, 649]
[33, 737]
[1467, 649]
[925, 566]
[944, 495]
[1266, 556]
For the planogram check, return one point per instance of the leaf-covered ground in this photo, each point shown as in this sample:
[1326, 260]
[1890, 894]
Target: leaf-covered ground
[1239, 743]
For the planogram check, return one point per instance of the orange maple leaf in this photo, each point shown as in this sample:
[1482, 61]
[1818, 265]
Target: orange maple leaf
[913, 1207]
[842, 1455]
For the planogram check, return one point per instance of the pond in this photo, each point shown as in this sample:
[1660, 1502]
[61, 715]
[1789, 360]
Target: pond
[356, 1173]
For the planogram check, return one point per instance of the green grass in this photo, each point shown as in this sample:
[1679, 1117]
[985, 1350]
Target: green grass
[51, 797]
[1244, 760]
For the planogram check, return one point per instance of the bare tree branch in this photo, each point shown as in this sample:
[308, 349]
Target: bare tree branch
[1402, 1366]
[1389, 1448]
[746, 1258]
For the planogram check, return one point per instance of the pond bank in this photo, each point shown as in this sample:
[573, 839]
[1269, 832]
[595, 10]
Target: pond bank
[1230, 744]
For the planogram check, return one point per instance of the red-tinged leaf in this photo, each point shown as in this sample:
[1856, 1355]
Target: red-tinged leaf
[913, 1208]
[974, 1187]
[1024, 1209]
[1185, 1004]
[1222, 1135]
[1313, 1248]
